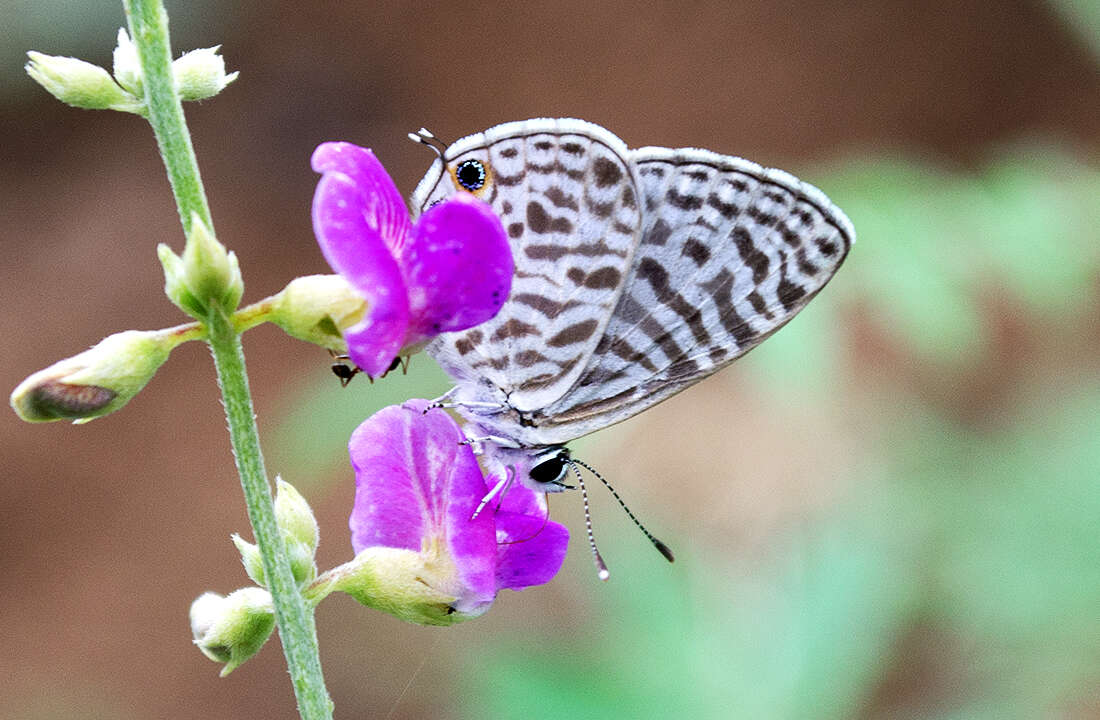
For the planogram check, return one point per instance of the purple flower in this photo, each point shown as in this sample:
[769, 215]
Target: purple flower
[416, 490]
[450, 271]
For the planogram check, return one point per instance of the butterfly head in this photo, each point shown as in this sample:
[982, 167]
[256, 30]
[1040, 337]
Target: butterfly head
[547, 470]
[541, 469]
[463, 171]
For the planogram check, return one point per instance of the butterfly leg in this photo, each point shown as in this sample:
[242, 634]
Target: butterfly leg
[442, 400]
[498, 489]
[478, 443]
[496, 407]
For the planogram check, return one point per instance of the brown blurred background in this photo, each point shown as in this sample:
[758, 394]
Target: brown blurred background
[111, 529]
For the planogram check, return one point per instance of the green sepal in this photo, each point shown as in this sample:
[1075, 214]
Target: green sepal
[175, 282]
[302, 563]
[409, 585]
[317, 309]
[299, 529]
[251, 559]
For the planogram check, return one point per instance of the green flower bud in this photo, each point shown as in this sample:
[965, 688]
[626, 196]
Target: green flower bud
[302, 563]
[294, 516]
[95, 382]
[127, 67]
[232, 629]
[299, 529]
[205, 275]
[80, 84]
[201, 74]
[317, 309]
[250, 558]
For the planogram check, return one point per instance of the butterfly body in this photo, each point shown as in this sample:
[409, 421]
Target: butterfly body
[638, 273]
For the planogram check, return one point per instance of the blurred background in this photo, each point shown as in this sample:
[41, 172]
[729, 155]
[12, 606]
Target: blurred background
[889, 510]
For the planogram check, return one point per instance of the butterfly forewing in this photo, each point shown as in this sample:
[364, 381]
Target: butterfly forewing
[729, 253]
[569, 201]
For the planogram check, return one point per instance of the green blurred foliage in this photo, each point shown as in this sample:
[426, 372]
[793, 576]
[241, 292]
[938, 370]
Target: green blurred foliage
[1083, 18]
[961, 579]
[311, 435]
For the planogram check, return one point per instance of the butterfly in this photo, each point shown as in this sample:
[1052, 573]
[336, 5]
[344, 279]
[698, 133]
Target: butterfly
[638, 274]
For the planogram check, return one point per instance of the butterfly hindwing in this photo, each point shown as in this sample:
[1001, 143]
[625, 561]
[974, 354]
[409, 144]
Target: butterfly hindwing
[729, 253]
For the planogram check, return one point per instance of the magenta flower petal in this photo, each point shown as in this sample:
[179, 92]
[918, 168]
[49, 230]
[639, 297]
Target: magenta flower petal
[458, 267]
[380, 201]
[531, 548]
[351, 215]
[415, 484]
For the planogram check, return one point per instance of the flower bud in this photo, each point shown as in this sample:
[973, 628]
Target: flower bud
[299, 530]
[80, 84]
[250, 558]
[302, 563]
[317, 309]
[127, 67]
[206, 274]
[232, 629]
[294, 516]
[201, 74]
[96, 382]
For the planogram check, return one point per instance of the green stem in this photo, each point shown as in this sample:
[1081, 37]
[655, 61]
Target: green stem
[295, 621]
[255, 314]
[149, 29]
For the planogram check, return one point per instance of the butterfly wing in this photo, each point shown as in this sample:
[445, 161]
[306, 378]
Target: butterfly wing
[729, 253]
[568, 197]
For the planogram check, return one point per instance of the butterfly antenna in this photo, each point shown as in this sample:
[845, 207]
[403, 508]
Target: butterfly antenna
[601, 566]
[661, 547]
[425, 137]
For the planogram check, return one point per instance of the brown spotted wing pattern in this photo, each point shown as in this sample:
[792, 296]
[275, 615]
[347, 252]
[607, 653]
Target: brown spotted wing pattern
[729, 253]
[638, 273]
[569, 202]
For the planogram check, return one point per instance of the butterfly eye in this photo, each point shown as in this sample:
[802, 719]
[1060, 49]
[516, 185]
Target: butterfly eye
[471, 174]
[551, 470]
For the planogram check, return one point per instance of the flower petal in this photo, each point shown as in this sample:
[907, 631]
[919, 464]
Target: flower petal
[380, 201]
[531, 548]
[352, 215]
[416, 485]
[458, 267]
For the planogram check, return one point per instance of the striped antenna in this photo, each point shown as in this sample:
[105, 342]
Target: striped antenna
[426, 137]
[661, 547]
[601, 566]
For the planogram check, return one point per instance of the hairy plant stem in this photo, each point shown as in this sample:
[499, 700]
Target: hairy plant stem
[294, 618]
[149, 28]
